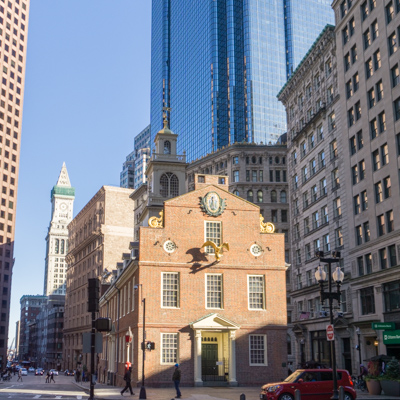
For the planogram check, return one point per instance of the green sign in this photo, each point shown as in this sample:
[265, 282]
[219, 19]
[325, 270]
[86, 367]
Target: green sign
[391, 337]
[383, 325]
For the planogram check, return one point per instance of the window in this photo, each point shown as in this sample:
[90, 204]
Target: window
[274, 197]
[170, 289]
[367, 233]
[356, 82]
[357, 204]
[284, 216]
[360, 266]
[213, 233]
[360, 141]
[367, 39]
[392, 43]
[377, 60]
[335, 178]
[349, 89]
[389, 221]
[169, 348]
[323, 189]
[256, 292]
[315, 220]
[358, 235]
[345, 35]
[361, 169]
[364, 201]
[397, 109]
[328, 67]
[259, 196]
[371, 98]
[354, 54]
[337, 209]
[324, 213]
[385, 154]
[375, 30]
[395, 75]
[167, 147]
[296, 181]
[354, 174]
[350, 117]
[343, 8]
[378, 192]
[373, 125]
[392, 256]
[235, 160]
[332, 123]
[364, 10]
[387, 187]
[235, 176]
[338, 237]
[352, 26]
[169, 185]
[367, 300]
[376, 160]
[283, 196]
[320, 132]
[308, 257]
[334, 149]
[250, 196]
[306, 225]
[294, 157]
[369, 68]
[303, 149]
[321, 157]
[383, 258]
[274, 215]
[326, 244]
[258, 349]
[381, 224]
[391, 293]
[214, 291]
[329, 92]
[368, 263]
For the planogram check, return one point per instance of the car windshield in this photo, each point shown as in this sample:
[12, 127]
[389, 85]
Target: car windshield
[293, 377]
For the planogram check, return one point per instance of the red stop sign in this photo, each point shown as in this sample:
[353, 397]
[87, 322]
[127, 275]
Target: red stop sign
[330, 335]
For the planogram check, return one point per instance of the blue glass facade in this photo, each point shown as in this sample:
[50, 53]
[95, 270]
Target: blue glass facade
[219, 64]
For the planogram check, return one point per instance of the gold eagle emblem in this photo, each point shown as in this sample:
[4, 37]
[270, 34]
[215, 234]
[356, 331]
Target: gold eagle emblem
[218, 249]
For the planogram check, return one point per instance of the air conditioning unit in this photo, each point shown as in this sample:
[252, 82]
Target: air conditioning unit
[340, 314]
[323, 313]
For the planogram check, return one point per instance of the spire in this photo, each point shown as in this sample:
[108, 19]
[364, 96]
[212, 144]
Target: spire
[63, 179]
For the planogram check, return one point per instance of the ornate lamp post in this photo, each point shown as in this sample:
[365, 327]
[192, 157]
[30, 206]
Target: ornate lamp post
[320, 276]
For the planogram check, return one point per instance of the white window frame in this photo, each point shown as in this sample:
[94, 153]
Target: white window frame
[209, 250]
[162, 348]
[263, 308]
[222, 292]
[252, 364]
[162, 289]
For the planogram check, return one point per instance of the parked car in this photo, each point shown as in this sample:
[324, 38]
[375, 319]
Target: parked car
[39, 371]
[24, 372]
[31, 369]
[312, 383]
[54, 371]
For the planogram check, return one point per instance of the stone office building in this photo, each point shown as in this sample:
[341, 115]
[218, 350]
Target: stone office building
[219, 313]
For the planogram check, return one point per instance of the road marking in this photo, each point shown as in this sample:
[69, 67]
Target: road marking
[58, 397]
[37, 396]
[79, 397]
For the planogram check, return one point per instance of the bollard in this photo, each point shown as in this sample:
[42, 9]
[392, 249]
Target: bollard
[242, 396]
[297, 394]
[341, 393]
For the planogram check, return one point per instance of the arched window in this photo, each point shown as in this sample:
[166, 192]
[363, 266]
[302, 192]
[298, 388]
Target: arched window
[283, 197]
[169, 185]
[57, 246]
[250, 195]
[236, 192]
[260, 196]
[167, 147]
[273, 197]
[62, 246]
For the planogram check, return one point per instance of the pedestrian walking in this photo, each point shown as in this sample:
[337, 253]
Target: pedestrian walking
[176, 377]
[52, 377]
[19, 375]
[127, 379]
[48, 377]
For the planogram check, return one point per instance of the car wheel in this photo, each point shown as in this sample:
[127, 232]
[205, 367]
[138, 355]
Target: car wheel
[285, 396]
[348, 396]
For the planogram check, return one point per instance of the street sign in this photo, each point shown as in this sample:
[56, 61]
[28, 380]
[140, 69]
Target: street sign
[391, 337]
[330, 335]
[383, 325]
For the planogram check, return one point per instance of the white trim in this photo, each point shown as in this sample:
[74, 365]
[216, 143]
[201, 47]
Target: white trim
[178, 290]
[222, 291]
[265, 352]
[248, 293]
[205, 233]
[161, 348]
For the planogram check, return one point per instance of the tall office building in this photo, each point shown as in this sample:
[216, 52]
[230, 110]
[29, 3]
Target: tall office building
[220, 64]
[14, 16]
[62, 199]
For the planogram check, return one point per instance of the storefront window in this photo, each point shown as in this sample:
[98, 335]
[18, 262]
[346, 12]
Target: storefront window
[391, 293]
[320, 347]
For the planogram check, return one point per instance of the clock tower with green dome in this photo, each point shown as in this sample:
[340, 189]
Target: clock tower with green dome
[62, 200]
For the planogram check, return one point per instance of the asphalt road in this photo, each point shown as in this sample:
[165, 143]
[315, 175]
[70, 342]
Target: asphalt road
[34, 387]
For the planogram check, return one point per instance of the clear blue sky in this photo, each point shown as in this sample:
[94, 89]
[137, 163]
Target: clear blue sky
[87, 94]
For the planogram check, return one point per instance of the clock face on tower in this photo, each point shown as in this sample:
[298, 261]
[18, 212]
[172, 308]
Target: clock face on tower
[63, 206]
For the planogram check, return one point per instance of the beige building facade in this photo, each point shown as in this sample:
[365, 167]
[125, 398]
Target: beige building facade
[98, 236]
[14, 16]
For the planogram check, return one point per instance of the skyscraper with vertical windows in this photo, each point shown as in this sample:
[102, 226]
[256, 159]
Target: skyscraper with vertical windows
[219, 64]
[14, 15]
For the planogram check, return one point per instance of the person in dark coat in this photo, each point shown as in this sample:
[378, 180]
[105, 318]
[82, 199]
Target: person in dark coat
[176, 377]
[52, 377]
[127, 379]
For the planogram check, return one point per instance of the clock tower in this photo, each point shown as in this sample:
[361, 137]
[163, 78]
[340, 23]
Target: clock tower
[62, 201]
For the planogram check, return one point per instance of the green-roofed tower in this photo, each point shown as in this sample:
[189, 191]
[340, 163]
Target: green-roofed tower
[62, 200]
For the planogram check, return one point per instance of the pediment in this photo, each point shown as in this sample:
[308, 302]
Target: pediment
[298, 329]
[214, 321]
[340, 323]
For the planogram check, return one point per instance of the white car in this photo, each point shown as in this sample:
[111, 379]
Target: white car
[54, 371]
[24, 372]
[31, 369]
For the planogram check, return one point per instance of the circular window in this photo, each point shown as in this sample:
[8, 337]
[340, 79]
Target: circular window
[169, 246]
[256, 250]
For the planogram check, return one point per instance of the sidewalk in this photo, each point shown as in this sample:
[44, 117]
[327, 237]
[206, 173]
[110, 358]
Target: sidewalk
[105, 392]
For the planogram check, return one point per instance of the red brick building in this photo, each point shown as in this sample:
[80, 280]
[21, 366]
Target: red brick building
[221, 320]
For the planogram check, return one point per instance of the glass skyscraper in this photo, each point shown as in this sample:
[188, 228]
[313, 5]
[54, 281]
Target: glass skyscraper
[219, 64]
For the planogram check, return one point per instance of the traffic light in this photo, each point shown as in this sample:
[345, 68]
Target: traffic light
[93, 294]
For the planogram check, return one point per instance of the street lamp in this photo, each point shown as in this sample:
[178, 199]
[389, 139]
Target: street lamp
[320, 276]
[142, 394]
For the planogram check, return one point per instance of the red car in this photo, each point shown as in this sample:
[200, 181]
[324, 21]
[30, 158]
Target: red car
[312, 383]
